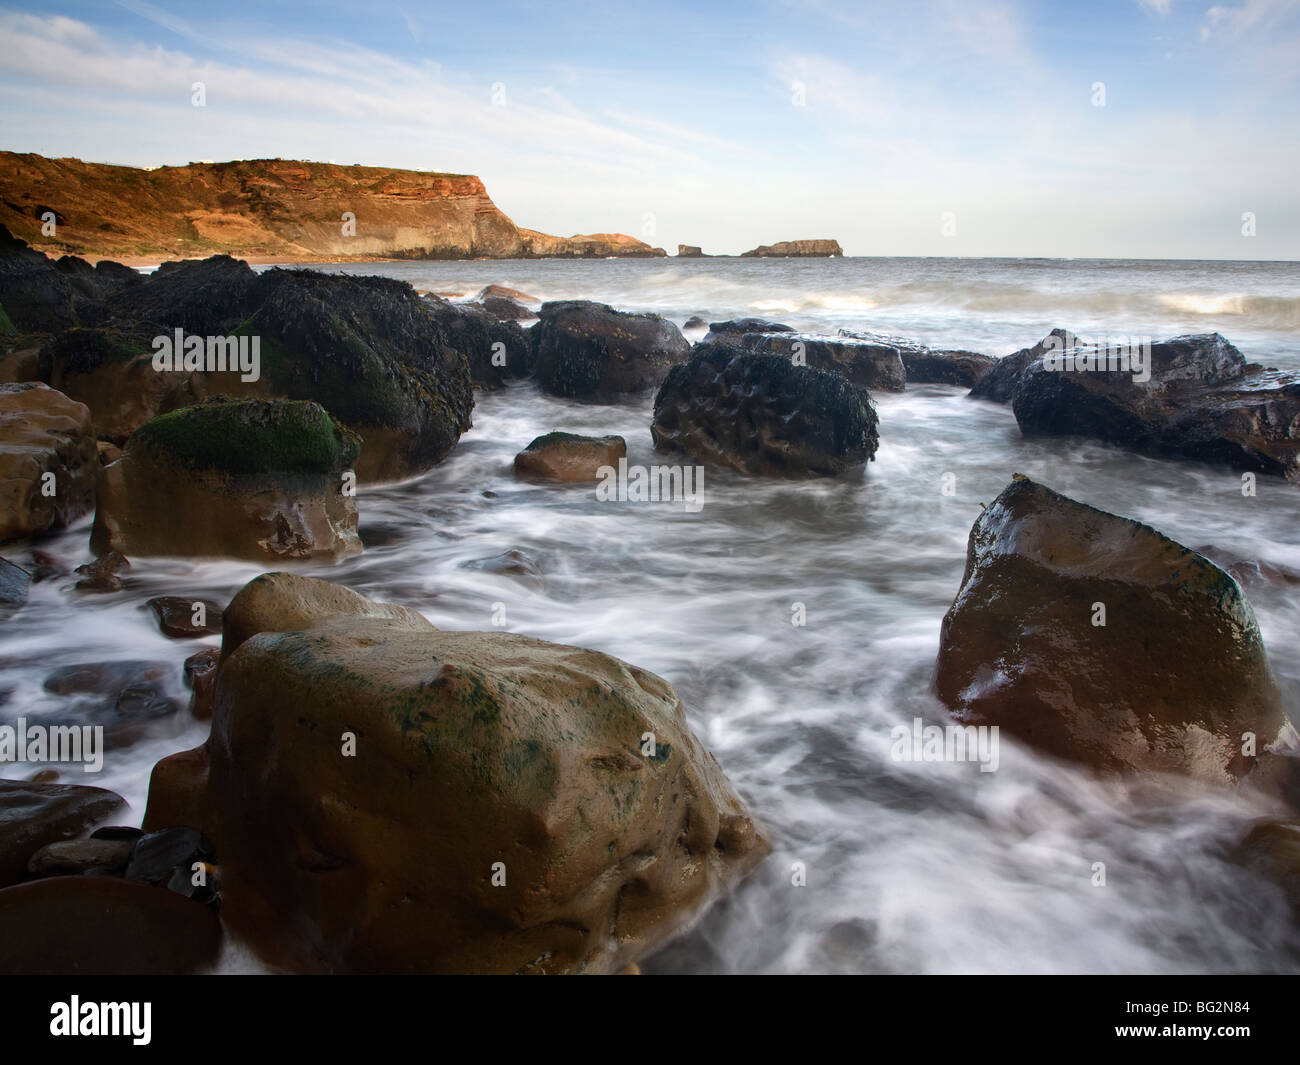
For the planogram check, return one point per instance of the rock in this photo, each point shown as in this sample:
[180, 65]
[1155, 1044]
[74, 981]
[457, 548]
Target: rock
[47, 460]
[497, 351]
[167, 858]
[784, 249]
[34, 294]
[286, 602]
[77, 857]
[694, 322]
[45, 566]
[735, 328]
[512, 563]
[472, 749]
[1272, 849]
[105, 678]
[117, 832]
[1173, 679]
[586, 246]
[371, 352]
[104, 573]
[763, 416]
[176, 617]
[95, 925]
[926, 366]
[863, 363]
[569, 457]
[35, 814]
[108, 453]
[14, 584]
[506, 304]
[254, 479]
[201, 676]
[1201, 402]
[689, 251]
[202, 296]
[591, 352]
[1000, 382]
[143, 702]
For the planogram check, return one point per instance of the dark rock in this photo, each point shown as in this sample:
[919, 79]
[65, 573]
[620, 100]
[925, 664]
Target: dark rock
[475, 333]
[591, 352]
[117, 832]
[45, 567]
[208, 297]
[143, 702]
[569, 457]
[734, 328]
[103, 574]
[695, 322]
[35, 295]
[14, 584]
[1201, 402]
[763, 416]
[927, 366]
[166, 858]
[176, 617]
[507, 304]
[372, 353]
[201, 676]
[104, 678]
[1172, 681]
[35, 814]
[1272, 849]
[90, 926]
[75, 857]
[512, 563]
[1000, 383]
[863, 363]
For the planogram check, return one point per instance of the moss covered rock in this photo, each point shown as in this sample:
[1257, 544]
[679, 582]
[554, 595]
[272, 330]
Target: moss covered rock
[387, 797]
[251, 479]
[569, 457]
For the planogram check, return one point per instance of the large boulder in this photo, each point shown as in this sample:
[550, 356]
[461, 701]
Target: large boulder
[763, 416]
[866, 364]
[591, 352]
[254, 479]
[371, 352]
[735, 328]
[1097, 639]
[33, 815]
[1192, 396]
[470, 802]
[42, 433]
[202, 296]
[35, 296]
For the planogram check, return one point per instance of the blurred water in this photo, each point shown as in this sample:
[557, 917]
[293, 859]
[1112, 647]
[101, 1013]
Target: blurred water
[910, 867]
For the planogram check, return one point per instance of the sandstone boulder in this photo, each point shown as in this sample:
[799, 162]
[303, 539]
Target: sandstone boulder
[591, 352]
[254, 479]
[48, 460]
[569, 457]
[1173, 679]
[763, 416]
[33, 815]
[785, 249]
[509, 806]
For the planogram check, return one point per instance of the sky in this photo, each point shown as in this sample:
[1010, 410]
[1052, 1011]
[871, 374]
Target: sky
[1112, 128]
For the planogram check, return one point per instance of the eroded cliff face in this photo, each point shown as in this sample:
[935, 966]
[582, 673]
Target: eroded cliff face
[269, 209]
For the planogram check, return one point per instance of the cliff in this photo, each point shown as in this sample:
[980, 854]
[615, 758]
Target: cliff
[270, 210]
[813, 249]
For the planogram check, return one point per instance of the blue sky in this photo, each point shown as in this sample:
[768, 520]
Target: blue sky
[931, 127]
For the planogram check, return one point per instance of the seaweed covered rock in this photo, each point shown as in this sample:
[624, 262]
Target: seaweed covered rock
[1001, 381]
[201, 296]
[370, 351]
[867, 364]
[48, 460]
[1191, 396]
[1096, 639]
[461, 802]
[496, 350]
[591, 352]
[569, 457]
[763, 416]
[930, 366]
[251, 479]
